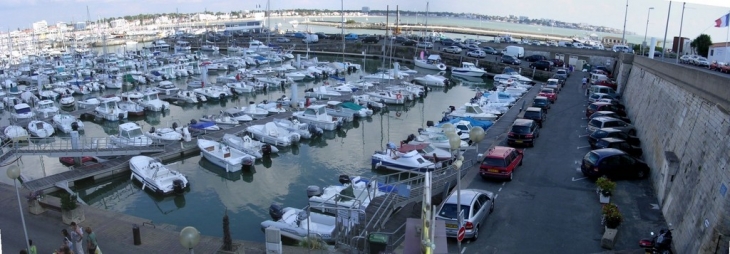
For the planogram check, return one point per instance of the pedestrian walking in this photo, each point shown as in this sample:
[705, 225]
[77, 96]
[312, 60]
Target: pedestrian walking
[32, 249]
[66, 238]
[91, 243]
[77, 236]
[584, 81]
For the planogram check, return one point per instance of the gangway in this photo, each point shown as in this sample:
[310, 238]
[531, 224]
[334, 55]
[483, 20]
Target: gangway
[64, 147]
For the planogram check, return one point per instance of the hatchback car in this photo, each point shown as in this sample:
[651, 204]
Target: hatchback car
[425, 44]
[563, 72]
[452, 49]
[370, 39]
[611, 133]
[510, 60]
[536, 114]
[409, 43]
[603, 106]
[542, 65]
[500, 162]
[620, 144]
[608, 114]
[490, 50]
[613, 163]
[476, 53]
[549, 93]
[598, 96]
[282, 39]
[610, 122]
[541, 102]
[523, 131]
[553, 84]
[477, 206]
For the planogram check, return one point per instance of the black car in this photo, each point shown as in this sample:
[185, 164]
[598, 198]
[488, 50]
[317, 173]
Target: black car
[490, 50]
[409, 43]
[541, 65]
[510, 60]
[370, 39]
[620, 144]
[523, 131]
[447, 42]
[400, 39]
[614, 164]
[536, 114]
[541, 102]
[611, 133]
[322, 36]
[535, 58]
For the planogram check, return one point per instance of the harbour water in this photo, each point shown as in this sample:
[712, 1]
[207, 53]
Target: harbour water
[247, 195]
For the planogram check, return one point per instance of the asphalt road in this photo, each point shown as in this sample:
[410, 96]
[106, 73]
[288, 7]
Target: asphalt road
[549, 207]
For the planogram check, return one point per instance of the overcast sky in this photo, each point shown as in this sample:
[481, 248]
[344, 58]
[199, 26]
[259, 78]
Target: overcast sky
[698, 18]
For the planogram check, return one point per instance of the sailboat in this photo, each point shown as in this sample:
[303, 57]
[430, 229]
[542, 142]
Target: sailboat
[433, 62]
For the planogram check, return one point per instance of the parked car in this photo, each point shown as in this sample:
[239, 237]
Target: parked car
[490, 50]
[549, 93]
[500, 162]
[541, 65]
[616, 104]
[725, 68]
[599, 96]
[685, 59]
[604, 69]
[447, 42]
[424, 44]
[535, 58]
[611, 133]
[508, 59]
[608, 114]
[603, 106]
[476, 53]
[541, 102]
[523, 131]
[409, 43]
[717, 66]
[283, 39]
[452, 49]
[620, 144]
[553, 84]
[557, 62]
[610, 122]
[477, 206]
[563, 72]
[370, 39]
[536, 114]
[472, 47]
[701, 62]
[400, 39]
[614, 164]
[323, 36]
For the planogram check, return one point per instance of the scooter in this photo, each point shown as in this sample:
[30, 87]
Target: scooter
[658, 244]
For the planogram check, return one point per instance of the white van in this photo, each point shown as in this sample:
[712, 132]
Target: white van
[515, 51]
[597, 78]
[621, 48]
[310, 38]
[602, 89]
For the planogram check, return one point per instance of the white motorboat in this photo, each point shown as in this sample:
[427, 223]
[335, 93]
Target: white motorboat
[157, 176]
[224, 122]
[15, 133]
[438, 140]
[167, 88]
[209, 93]
[433, 62]
[67, 100]
[469, 70]
[254, 111]
[297, 224]
[65, 122]
[247, 145]
[236, 114]
[321, 92]
[22, 111]
[163, 134]
[299, 76]
[40, 129]
[353, 193]
[187, 97]
[45, 95]
[392, 159]
[240, 87]
[510, 73]
[224, 156]
[360, 111]
[387, 97]
[472, 110]
[131, 105]
[130, 135]
[316, 115]
[334, 108]
[272, 107]
[427, 151]
[46, 108]
[88, 103]
[182, 46]
[367, 101]
[433, 79]
[273, 134]
[305, 130]
[151, 101]
[109, 110]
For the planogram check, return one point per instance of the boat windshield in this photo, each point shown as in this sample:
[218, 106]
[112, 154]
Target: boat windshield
[133, 133]
[151, 97]
[22, 110]
[236, 114]
[45, 105]
[427, 150]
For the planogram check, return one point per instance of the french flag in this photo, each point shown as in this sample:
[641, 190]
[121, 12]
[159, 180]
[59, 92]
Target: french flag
[723, 21]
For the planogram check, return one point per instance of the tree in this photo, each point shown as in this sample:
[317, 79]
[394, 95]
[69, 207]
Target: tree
[227, 241]
[701, 44]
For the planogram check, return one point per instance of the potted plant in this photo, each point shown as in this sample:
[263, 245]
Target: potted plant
[70, 210]
[612, 216]
[228, 246]
[34, 205]
[605, 189]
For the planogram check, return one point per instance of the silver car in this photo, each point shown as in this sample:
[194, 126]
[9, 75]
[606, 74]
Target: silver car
[610, 122]
[477, 206]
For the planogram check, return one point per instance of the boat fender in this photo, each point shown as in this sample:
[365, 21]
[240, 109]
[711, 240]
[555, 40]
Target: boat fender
[344, 179]
[313, 191]
[276, 212]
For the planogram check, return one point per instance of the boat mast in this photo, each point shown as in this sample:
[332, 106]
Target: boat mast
[268, 21]
[342, 26]
[387, 13]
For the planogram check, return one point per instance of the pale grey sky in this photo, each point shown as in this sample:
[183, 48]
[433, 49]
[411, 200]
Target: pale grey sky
[698, 18]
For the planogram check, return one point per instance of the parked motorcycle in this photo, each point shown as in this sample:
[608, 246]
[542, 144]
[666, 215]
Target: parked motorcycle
[658, 244]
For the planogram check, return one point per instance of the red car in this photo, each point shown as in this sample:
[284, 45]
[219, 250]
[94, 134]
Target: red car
[605, 106]
[716, 66]
[608, 83]
[549, 93]
[500, 162]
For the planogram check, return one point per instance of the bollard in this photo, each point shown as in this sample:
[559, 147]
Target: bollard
[135, 235]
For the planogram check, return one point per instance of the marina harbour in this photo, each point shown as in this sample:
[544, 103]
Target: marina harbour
[282, 178]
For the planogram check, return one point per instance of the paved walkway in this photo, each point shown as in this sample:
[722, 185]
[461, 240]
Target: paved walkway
[114, 231]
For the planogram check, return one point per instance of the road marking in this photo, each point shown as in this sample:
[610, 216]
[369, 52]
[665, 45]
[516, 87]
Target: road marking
[584, 118]
[500, 189]
[575, 162]
[578, 170]
[655, 206]
[462, 250]
[504, 183]
[583, 147]
[583, 126]
[584, 135]
[578, 179]
[495, 196]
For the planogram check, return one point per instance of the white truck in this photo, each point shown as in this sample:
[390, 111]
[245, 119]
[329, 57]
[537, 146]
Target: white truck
[516, 51]
[310, 38]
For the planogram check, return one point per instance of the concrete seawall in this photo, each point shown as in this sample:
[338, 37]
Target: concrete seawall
[681, 115]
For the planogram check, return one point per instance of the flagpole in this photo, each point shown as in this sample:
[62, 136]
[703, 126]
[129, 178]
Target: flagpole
[727, 37]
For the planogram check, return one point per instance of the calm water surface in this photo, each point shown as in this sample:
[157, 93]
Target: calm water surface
[247, 195]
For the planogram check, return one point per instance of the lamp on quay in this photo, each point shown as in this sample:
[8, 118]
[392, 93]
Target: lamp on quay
[454, 144]
[13, 173]
[447, 128]
[476, 135]
[189, 238]
[646, 30]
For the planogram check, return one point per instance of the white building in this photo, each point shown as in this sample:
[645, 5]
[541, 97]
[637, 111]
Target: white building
[719, 52]
[118, 23]
[204, 17]
[80, 26]
[40, 26]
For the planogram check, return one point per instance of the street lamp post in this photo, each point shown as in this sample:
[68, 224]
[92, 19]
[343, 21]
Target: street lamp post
[189, 238]
[454, 144]
[646, 30]
[626, 15]
[681, 41]
[13, 173]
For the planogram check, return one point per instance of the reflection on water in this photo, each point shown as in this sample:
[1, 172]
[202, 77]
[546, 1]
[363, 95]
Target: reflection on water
[282, 178]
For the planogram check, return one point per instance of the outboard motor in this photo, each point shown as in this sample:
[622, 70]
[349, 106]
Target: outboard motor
[410, 138]
[121, 116]
[314, 190]
[429, 123]
[152, 130]
[266, 149]
[452, 108]
[344, 179]
[276, 212]
[421, 130]
[174, 126]
[178, 186]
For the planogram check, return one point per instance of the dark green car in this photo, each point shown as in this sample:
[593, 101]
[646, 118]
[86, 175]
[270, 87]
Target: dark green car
[541, 102]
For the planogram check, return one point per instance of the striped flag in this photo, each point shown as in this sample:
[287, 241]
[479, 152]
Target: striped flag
[723, 21]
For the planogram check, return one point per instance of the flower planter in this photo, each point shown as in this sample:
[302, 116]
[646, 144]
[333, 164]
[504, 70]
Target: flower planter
[75, 215]
[34, 207]
[609, 238]
[603, 199]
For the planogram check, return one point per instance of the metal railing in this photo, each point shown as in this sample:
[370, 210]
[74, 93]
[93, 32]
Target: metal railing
[56, 146]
